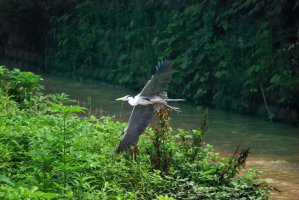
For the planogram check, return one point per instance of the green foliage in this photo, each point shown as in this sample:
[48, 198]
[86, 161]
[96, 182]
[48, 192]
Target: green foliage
[117, 44]
[222, 51]
[20, 86]
[48, 152]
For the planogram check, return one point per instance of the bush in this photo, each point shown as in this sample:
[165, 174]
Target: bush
[20, 86]
[49, 152]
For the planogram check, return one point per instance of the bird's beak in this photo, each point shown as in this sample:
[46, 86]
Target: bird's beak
[120, 99]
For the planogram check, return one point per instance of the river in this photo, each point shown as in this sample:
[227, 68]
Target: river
[274, 146]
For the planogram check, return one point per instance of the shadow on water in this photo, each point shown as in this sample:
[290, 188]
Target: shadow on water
[274, 146]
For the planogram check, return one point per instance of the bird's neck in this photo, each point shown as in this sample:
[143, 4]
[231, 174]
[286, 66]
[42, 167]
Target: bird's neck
[133, 101]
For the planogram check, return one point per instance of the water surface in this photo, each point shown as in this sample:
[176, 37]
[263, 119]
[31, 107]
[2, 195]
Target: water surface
[274, 146]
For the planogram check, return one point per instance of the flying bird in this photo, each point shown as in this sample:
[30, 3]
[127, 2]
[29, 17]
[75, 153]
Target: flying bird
[152, 97]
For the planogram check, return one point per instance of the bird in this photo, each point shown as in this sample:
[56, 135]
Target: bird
[151, 98]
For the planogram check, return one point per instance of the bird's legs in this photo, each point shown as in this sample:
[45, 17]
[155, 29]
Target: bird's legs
[173, 108]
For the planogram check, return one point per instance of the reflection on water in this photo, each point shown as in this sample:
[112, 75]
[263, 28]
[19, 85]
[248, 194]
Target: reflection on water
[274, 146]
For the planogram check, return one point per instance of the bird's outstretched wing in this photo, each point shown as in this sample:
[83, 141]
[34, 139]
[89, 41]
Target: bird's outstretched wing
[139, 119]
[141, 115]
[160, 81]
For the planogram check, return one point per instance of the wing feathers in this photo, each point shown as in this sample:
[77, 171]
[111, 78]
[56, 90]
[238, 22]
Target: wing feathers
[160, 81]
[141, 115]
[139, 119]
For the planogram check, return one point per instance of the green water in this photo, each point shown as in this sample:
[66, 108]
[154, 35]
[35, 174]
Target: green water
[274, 146]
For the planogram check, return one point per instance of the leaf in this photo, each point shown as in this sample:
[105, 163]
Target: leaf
[5, 180]
[66, 109]
[199, 58]
[197, 132]
[221, 74]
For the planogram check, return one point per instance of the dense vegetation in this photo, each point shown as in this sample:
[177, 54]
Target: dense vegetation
[236, 55]
[49, 152]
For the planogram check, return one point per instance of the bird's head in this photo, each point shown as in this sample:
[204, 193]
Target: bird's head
[125, 98]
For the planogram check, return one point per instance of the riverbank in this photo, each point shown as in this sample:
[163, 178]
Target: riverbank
[281, 174]
[273, 113]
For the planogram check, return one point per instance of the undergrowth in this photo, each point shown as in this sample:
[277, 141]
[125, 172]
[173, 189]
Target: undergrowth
[49, 152]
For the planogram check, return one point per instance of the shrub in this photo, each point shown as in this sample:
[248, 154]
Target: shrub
[20, 86]
[49, 152]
